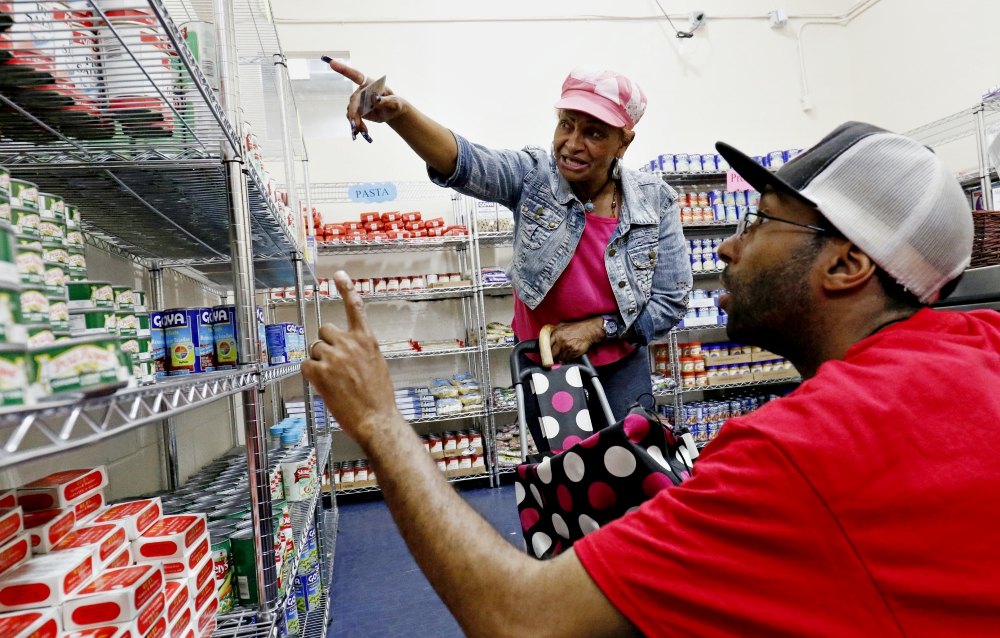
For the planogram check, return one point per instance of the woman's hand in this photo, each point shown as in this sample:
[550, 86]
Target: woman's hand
[386, 107]
[572, 339]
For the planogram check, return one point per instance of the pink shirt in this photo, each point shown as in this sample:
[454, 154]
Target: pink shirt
[581, 292]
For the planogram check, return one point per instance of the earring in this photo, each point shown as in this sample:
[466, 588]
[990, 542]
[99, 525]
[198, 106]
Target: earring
[616, 169]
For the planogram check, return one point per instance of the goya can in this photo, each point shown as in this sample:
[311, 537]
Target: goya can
[77, 263]
[300, 343]
[78, 364]
[55, 279]
[91, 294]
[34, 304]
[221, 550]
[23, 194]
[187, 333]
[281, 339]
[224, 336]
[139, 301]
[292, 623]
[157, 344]
[8, 254]
[72, 216]
[89, 321]
[52, 229]
[30, 265]
[51, 206]
[13, 374]
[58, 314]
[128, 325]
[11, 321]
[123, 297]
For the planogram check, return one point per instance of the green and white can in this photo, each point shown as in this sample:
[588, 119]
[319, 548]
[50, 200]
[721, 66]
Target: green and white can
[4, 184]
[128, 326]
[34, 305]
[145, 348]
[72, 216]
[51, 207]
[55, 251]
[142, 324]
[140, 369]
[91, 321]
[11, 321]
[52, 230]
[55, 279]
[123, 297]
[59, 314]
[8, 254]
[139, 301]
[78, 364]
[23, 194]
[25, 220]
[74, 237]
[30, 265]
[27, 240]
[130, 346]
[91, 294]
[40, 335]
[13, 374]
[77, 263]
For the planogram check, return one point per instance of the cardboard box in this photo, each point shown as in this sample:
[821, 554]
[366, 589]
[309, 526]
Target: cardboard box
[105, 541]
[135, 516]
[729, 360]
[206, 617]
[775, 374]
[122, 559]
[147, 618]
[205, 595]
[15, 552]
[203, 574]
[48, 527]
[171, 537]
[106, 631]
[33, 623]
[114, 597]
[8, 499]
[61, 489]
[732, 378]
[178, 594]
[88, 509]
[189, 564]
[186, 632]
[177, 627]
[46, 581]
[764, 355]
[11, 523]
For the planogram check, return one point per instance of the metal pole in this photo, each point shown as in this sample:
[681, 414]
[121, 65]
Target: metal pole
[241, 246]
[168, 429]
[309, 207]
[984, 160]
[286, 145]
[307, 391]
[275, 388]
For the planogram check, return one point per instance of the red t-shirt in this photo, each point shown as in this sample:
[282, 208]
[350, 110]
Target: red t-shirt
[866, 503]
[582, 291]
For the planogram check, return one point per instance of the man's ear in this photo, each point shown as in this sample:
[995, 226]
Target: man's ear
[846, 267]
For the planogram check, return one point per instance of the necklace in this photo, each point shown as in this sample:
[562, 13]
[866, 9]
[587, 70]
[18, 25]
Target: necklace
[589, 206]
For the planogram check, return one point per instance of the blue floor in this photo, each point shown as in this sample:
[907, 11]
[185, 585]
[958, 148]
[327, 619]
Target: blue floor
[378, 590]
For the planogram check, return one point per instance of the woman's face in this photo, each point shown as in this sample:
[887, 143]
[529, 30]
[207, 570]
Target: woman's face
[585, 146]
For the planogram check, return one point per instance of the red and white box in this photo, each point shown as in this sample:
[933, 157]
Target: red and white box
[204, 596]
[15, 552]
[88, 509]
[116, 596]
[106, 631]
[185, 632]
[172, 537]
[47, 580]
[122, 559]
[8, 499]
[206, 617]
[33, 623]
[205, 573]
[147, 618]
[135, 516]
[11, 523]
[61, 488]
[180, 624]
[189, 564]
[411, 217]
[158, 630]
[48, 527]
[178, 596]
[105, 541]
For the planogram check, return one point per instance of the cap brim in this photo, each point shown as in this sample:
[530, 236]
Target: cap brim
[756, 175]
[592, 107]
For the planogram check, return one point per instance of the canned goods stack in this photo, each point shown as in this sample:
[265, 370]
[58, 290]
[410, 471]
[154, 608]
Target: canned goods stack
[193, 340]
[703, 309]
[711, 163]
[704, 254]
[724, 363]
[705, 418]
[123, 564]
[493, 218]
[717, 205]
[374, 228]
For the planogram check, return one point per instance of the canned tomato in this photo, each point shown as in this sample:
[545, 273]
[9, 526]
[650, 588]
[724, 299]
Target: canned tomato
[58, 314]
[224, 337]
[187, 333]
[52, 229]
[34, 305]
[11, 320]
[8, 255]
[72, 216]
[90, 321]
[30, 265]
[82, 363]
[77, 263]
[157, 344]
[13, 374]
[139, 301]
[23, 194]
[51, 207]
[91, 294]
[128, 325]
[123, 297]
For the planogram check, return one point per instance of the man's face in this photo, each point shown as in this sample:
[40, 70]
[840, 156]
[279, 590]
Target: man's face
[768, 274]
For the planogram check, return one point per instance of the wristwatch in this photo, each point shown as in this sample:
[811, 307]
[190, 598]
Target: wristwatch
[610, 326]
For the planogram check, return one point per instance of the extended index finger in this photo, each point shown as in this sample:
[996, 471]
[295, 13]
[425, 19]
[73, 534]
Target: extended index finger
[348, 72]
[357, 321]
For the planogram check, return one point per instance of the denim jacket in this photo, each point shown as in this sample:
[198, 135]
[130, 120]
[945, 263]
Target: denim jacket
[647, 263]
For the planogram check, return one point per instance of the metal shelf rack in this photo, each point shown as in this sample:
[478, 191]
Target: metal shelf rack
[393, 246]
[451, 479]
[392, 356]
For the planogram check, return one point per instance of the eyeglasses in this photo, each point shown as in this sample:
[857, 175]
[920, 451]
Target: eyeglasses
[751, 220]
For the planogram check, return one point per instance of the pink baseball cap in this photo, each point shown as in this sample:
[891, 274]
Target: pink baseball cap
[607, 95]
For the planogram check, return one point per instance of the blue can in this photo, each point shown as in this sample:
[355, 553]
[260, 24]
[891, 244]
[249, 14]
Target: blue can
[721, 163]
[157, 346]
[716, 197]
[741, 198]
[719, 212]
[708, 163]
[190, 343]
[776, 159]
[696, 263]
[729, 198]
[224, 337]
[665, 163]
[694, 163]
[276, 343]
[732, 214]
[682, 163]
[292, 624]
[741, 212]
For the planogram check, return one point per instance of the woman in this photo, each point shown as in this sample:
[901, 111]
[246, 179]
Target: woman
[598, 248]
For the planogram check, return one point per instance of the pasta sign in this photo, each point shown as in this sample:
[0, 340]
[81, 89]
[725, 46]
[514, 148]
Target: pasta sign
[369, 193]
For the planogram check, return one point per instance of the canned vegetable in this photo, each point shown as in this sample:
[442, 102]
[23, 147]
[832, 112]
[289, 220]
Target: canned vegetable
[13, 374]
[123, 297]
[8, 255]
[89, 321]
[90, 294]
[82, 363]
[34, 305]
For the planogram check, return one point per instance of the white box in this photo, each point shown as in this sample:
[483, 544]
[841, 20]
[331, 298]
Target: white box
[203, 574]
[187, 632]
[122, 559]
[178, 595]
[706, 302]
[107, 631]
[181, 623]
[147, 621]
[116, 596]
[204, 596]
[46, 581]
[33, 623]
[135, 516]
[48, 527]
[171, 537]
[206, 618]
[87, 509]
[11, 523]
[15, 552]
[105, 541]
[61, 488]
[699, 321]
[188, 565]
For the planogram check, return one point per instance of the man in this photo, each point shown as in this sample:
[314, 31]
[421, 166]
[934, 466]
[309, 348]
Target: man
[863, 504]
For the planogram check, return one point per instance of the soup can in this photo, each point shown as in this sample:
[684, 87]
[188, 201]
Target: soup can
[187, 334]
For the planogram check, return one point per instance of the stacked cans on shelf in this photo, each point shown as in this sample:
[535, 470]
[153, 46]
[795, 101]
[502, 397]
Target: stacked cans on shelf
[71, 563]
[717, 205]
[100, 308]
[457, 454]
[703, 309]
[704, 254]
[193, 340]
[705, 418]
[383, 227]
[712, 163]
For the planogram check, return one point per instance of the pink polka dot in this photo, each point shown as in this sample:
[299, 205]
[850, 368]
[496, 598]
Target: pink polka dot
[570, 441]
[528, 518]
[556, 366]
[565, 498]
[522, 471]
[636, 427]
[601, 496]
[590, 441]
[562, 401]
[654, 483]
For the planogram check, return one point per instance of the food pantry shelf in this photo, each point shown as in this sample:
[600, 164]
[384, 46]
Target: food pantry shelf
[453, 479]
[727, 386]
[316, 620]
[242, 623]
[279, 372]
[707, 273]
[496, 238]
[435, 419]
[394, 246]
[431, 294]
[410, 354]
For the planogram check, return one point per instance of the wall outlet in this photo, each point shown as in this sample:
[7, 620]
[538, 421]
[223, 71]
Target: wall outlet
[697, 19]
[779, 18]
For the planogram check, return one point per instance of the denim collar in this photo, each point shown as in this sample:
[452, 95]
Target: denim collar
[632, 196]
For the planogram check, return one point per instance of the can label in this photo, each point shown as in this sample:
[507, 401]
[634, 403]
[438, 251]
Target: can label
[277, 343]
[34, 306]
[69, 367]
[224, 337]
[13, 377]
[10, 315]
[223, 575]
[31, 267]
[189, 341]
[157, 344]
